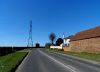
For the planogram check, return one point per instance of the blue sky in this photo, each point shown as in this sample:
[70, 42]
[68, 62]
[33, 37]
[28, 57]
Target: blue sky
[57, 16]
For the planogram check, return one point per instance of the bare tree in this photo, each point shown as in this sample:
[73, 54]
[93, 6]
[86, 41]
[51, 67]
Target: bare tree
[52, 37]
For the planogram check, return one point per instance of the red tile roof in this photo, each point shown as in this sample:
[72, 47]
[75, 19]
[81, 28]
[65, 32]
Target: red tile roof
[90, 33]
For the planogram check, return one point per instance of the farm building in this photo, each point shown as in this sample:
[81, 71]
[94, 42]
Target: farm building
[86, 41]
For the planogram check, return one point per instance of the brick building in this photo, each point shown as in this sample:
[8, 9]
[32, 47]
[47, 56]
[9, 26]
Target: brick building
[86, 41]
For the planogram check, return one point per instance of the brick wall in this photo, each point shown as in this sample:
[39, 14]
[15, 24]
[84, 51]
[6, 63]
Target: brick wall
[87, 45]
[66, 48]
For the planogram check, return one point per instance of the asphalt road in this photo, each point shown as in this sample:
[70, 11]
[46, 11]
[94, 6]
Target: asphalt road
[41, 61]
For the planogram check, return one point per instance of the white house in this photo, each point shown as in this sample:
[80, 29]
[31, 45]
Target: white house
[67, 40]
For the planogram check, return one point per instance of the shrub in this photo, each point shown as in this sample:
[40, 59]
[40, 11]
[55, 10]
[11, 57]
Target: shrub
[47, 45]
[59, 41]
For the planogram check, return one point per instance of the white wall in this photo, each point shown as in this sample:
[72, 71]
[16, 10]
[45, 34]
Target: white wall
[67, 41]
[56, 47]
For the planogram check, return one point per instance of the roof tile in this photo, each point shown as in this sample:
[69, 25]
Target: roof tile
[90, 33]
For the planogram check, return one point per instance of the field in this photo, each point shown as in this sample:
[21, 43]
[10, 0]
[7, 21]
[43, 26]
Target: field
[10, 61]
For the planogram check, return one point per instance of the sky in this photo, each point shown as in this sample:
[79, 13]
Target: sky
[48, 16]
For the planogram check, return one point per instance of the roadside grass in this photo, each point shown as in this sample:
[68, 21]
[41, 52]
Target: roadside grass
[85, 55]
[10, 61]
[25, 50]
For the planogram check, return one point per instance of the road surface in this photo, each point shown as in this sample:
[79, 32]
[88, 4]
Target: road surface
[41, 61]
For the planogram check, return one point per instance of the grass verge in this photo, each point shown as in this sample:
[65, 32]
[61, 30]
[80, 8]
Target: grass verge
[10, 61]
[90, 56]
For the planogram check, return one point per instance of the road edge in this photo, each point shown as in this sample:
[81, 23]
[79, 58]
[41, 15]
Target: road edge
[79, 59]
[19, 65]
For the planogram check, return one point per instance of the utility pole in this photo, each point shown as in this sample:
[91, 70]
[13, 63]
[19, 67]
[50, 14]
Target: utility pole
[30, 41]
[63, 38]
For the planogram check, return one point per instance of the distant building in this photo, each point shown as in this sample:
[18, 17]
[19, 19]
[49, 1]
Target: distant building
[67, 40]
[66, 45]
[37, 45]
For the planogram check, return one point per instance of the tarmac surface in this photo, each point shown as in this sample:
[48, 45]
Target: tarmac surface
[39, 60]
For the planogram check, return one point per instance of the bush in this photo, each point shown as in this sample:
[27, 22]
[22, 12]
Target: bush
[47, 45]
[59, 41]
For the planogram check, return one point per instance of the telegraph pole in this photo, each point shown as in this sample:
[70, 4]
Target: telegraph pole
[30, 41]
[63, 38]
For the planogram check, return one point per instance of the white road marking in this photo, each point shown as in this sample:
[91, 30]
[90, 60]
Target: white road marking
[72, 69]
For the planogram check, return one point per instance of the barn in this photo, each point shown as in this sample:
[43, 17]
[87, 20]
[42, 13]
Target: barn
[86, 41]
